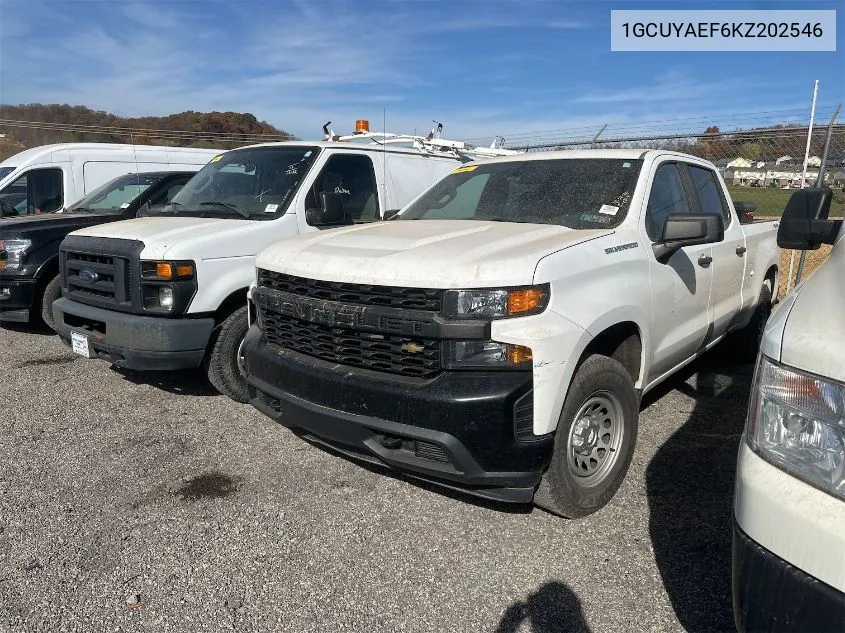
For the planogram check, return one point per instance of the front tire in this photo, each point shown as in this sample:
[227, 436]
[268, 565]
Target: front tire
[52, 291]
[224, 364]
[595, 440]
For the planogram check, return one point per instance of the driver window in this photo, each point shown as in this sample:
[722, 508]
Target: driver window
[353, 179]
[667, 197]
[37, 191]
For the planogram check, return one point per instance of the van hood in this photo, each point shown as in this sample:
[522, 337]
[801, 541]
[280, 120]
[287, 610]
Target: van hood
[423, 253]
[160, 234]
[814, 333]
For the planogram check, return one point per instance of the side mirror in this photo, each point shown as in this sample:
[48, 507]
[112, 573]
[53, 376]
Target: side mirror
[389, 214]
[688, 229]
[804, 225]
[745, 211]
[330, 213]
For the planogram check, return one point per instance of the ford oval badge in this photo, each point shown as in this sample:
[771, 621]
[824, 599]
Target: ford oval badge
[88, 276]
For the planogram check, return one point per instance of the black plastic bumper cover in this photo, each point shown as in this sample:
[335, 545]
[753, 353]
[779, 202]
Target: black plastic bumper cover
[17, 296]
[770, 594]
[134, 341]
[466, 416]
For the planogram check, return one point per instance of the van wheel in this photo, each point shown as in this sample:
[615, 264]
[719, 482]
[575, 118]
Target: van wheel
[595, 440]
[224, 364]
[745, 343]
[52, 291]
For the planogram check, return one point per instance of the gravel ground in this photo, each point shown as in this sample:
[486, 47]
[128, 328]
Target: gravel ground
[133, 502]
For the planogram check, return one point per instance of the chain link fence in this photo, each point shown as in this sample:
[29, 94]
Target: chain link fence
[763, 166]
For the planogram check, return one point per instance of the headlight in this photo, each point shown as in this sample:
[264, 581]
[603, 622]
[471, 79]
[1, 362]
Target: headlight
[167, 287]
[12, 252]
[485, 355]
[167, 271]
[797, 422]
[488, 303]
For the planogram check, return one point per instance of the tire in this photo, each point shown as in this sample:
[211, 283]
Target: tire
[52, 291]
[223, 365]
[600, 413]
[745, 343]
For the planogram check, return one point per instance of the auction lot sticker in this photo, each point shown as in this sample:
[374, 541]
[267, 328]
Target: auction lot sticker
[722, 30]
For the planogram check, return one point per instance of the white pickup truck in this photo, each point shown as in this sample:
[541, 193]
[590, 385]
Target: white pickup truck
[169, 292]
[789, 507]
[496, 336]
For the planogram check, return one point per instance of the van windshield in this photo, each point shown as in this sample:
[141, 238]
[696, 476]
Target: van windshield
[5, 171]
[572, 192]
[253, 184]
[116, 195]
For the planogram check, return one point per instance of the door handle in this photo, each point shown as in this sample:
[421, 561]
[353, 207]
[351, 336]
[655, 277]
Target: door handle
[704, 261]
[740, 250]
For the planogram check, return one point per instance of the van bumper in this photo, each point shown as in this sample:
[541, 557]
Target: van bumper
[17, 296]
[771, 594]
[456, 430]
[133, 341]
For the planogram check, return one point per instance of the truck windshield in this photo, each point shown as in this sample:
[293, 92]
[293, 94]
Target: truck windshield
[572, 192]
[114, 196]
[254, 183]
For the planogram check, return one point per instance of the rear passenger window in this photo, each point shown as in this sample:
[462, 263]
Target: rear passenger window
[708, 192]
[667, 197]
[352, 178]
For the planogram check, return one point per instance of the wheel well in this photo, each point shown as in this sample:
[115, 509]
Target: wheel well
[621, 342]
[772, 275]
[230, 304]
[48, 271]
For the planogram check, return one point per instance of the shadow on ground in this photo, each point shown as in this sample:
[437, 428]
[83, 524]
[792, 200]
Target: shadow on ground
[553, 608]
[35, 327]
[183, 382]
[689, 484]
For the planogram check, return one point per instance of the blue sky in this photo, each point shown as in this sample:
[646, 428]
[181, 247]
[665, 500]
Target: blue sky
[482, 67]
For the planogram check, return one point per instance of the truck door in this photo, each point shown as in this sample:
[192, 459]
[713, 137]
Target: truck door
[729, 256]
[680, 287]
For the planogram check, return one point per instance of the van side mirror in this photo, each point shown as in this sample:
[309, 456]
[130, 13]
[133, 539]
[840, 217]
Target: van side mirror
[688, 229]
[330, 212]
[389, 214]
[804, 225]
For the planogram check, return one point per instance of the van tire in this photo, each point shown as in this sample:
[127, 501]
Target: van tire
[745, 343]
[600, 413]
[52, 291]
[221, 364]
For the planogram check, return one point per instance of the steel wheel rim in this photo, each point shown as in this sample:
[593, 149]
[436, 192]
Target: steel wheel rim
[595, 438]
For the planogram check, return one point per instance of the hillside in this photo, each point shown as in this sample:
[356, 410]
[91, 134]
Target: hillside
[54, 123]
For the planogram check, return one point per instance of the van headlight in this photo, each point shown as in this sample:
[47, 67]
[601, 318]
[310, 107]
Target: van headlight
[797, 422]
[12, 252]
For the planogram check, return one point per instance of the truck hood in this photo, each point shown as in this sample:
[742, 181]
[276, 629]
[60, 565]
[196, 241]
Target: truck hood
[423, 253]
[161, 233]
[53, 223]
[814, 332]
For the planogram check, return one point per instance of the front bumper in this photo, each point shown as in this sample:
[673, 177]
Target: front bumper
[17, 296]
[133, 341]
[456, 430]
[771, 594]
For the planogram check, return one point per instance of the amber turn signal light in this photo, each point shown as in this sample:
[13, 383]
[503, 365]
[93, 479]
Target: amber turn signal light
[518, 354]
[525, 300]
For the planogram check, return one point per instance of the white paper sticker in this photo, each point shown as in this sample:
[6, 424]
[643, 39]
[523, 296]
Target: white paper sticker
[271, 208]
[609, 209]
[125, 205]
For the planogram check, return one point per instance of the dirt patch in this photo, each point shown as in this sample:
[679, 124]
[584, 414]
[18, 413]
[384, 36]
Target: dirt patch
[54, 360]
[213, 485]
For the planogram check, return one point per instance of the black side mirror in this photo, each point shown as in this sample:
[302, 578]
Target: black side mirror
[745, 211]
[330, 213]
[804, 225]
[390, 214]
[688, 229]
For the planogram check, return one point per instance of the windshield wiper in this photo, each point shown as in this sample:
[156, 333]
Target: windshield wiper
[226, 205]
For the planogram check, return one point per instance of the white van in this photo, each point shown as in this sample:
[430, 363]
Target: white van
[49, 178]
[789, 502]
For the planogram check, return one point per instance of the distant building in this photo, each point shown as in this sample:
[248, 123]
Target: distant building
[783, 173]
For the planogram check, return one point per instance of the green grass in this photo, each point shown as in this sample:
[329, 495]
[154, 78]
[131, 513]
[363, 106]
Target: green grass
[771, 202]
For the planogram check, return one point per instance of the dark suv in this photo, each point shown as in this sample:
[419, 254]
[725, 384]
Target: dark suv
[29, 246]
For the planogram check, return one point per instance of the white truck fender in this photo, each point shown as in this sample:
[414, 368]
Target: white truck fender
[218, 279]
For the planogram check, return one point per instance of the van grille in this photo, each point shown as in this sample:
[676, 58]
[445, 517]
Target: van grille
[110, 282]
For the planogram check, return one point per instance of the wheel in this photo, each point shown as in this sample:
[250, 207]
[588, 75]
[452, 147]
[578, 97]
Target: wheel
[224, 365]
[745, 343]
[595, 440]
[52, 291]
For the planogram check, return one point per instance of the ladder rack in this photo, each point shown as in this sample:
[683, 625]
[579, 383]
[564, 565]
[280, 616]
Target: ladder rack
[431, 144]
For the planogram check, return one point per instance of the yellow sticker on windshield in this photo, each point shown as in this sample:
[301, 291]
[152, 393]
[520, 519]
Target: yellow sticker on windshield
[216, 158]
[461, 170]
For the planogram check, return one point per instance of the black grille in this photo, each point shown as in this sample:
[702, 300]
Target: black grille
[104, 287]
[417, 357]
[360, 294]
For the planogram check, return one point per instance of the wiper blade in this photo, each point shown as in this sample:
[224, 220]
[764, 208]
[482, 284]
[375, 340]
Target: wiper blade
[226, 205]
